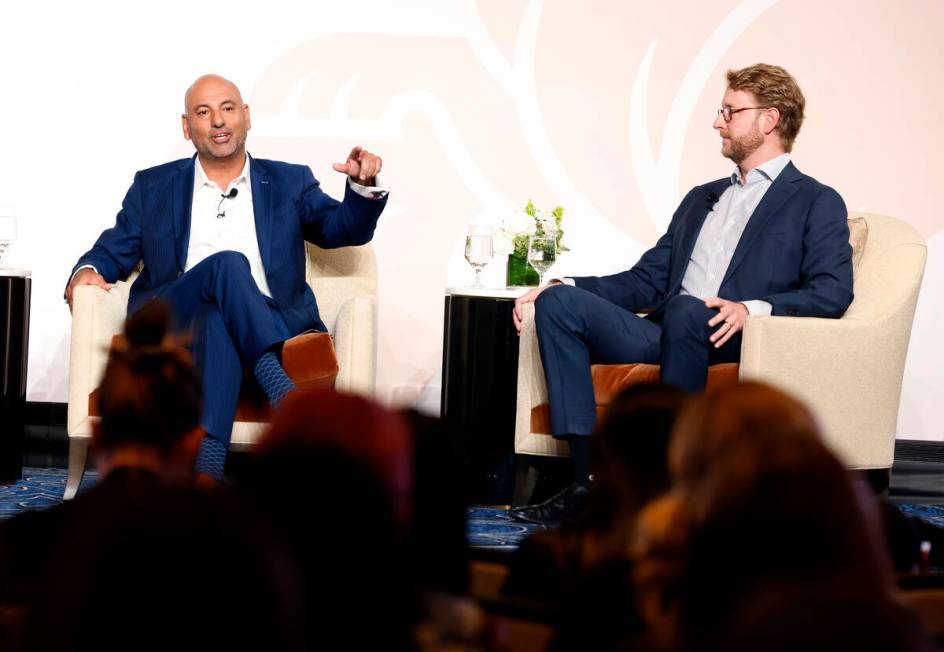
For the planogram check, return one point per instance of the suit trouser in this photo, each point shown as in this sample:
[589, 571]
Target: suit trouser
[576, 329]
[231, 324]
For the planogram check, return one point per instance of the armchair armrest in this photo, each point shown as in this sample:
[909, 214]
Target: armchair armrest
[355, 342]
[97, 315]
[532, 391]
[849, 371]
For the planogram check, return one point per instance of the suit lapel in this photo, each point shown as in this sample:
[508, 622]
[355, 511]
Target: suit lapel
[183, 204]
[261, 208]
[780, 191]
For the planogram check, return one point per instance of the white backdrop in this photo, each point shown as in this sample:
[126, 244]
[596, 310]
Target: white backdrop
[604, 107]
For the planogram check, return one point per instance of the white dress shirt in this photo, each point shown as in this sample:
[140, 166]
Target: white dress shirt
[219, 223]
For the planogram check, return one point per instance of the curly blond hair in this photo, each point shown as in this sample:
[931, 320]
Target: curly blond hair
[774, 87]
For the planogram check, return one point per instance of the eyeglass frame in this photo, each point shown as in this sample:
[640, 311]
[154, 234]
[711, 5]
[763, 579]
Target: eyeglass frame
[730, 111]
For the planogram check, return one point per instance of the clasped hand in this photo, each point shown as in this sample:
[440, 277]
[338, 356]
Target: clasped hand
[361, 166]
[731, 315]
[528, 297]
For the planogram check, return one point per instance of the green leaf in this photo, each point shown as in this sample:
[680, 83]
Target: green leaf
[521, 246]
[530, 209]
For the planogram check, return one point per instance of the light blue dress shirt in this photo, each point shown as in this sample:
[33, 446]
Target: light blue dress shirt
[721, 232]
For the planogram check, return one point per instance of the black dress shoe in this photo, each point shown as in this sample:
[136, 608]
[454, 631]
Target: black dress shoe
[563, 506]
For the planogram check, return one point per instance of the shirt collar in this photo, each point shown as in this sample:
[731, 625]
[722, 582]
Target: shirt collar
[770, 169]
[200, 178]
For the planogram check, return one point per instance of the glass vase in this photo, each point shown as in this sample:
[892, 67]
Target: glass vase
[520, 272]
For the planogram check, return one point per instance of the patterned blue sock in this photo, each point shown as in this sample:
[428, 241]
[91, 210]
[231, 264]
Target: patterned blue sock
[212, 457]
[272, 378]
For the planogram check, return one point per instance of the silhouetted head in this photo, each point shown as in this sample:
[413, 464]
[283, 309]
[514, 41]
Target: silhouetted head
[631, 443]
[150, 398]
[758, 503]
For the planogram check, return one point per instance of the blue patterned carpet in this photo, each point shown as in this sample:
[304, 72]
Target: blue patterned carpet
[486, 527]
[492, 528]
[933, 514]
[39, 488]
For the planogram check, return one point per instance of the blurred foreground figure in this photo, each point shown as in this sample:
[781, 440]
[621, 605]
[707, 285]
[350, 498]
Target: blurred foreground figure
[143, 560]
[584, 569]
[333, 480]
[762, 543]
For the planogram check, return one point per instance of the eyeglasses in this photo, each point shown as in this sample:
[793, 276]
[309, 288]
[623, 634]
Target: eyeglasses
[726, 112]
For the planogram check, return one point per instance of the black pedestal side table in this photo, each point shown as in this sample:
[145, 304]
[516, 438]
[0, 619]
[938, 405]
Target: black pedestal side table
[14, 344]
[479, 386]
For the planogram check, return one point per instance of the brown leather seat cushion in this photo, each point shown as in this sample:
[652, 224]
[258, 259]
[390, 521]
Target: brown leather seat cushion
[308, 359]
[610, 379]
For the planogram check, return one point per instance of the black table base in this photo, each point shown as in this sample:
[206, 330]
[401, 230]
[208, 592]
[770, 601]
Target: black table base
[14, 344]
[480, 378]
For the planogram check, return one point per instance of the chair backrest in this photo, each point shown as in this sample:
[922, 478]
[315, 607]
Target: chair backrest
[890, 271]
[336, 275]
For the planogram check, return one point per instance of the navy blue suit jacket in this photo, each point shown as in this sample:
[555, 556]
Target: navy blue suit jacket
[794, 253]
[289, 206]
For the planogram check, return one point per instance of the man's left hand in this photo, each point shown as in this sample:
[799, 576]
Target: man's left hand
[361, 166]
[731, 315]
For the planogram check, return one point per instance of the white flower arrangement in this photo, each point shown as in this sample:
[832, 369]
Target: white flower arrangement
[512, 236]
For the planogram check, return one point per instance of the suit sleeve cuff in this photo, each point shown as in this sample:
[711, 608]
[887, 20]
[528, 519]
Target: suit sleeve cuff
[758, 308]
[377, 191]
[565, 281]
[79, 269]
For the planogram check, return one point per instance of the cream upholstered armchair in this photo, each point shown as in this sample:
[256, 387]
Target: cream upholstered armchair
[344, 281]
[848, 370]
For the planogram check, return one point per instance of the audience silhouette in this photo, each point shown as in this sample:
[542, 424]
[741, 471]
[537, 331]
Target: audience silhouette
[716, 522]
[145, 560]
[762, 542]
[584, 569]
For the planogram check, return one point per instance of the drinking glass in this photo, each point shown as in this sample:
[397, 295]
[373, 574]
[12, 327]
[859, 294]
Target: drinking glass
[7, 230]
[542, 252]
[478, 250]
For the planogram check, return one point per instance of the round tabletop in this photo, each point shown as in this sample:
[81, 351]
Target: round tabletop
[493, 293]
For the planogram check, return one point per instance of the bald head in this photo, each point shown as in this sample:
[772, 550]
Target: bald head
[209, 82]
[216, 120]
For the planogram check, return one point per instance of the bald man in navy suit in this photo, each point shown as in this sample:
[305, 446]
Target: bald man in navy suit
[222, 238]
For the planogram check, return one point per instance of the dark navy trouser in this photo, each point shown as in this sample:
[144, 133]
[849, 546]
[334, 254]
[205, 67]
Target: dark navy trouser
[576, 329]
[232, 324]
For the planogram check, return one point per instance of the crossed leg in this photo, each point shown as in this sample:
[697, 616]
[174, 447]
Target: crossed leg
[232, 325]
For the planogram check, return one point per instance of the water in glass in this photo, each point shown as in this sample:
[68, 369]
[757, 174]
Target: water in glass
[542, 253]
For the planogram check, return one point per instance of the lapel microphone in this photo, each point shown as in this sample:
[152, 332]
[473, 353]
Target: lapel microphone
[710, 200]
[222, 213]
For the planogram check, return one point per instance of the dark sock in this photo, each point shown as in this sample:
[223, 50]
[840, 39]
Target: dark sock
[580, 454]
[272, 378]
[212, 457]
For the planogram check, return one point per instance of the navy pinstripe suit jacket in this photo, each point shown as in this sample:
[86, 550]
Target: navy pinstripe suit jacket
[289, 206]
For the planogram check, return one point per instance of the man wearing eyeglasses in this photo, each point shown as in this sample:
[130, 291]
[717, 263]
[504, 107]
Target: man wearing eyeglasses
[766, 240]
